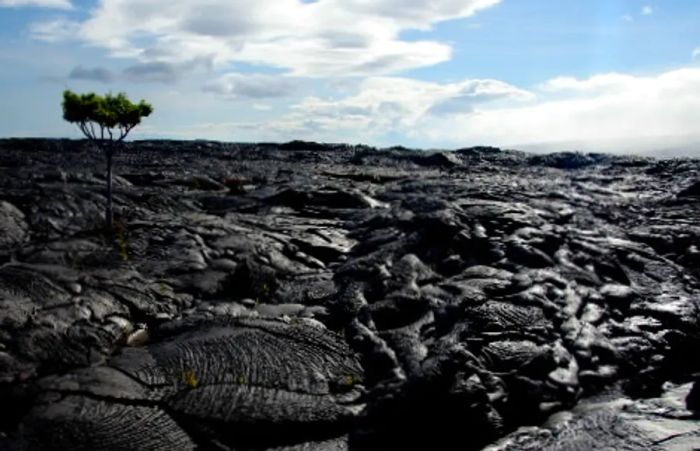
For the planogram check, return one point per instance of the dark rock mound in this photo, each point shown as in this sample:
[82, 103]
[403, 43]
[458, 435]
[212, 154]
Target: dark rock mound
[612, 423]
[254, 297]
[692, 401]
[439, 159]
[84, 423]
[478, 151]
[691, 191]
[304, 145]
[244, 383]
[569, 160]
[491, 155]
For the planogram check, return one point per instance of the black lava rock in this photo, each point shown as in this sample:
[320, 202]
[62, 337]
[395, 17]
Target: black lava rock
[326, 296]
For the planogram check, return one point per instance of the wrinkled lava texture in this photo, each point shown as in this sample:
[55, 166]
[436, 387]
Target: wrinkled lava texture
[328, 297]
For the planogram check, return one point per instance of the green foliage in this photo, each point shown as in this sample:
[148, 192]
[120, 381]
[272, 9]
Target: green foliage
[105, 120]
[120, 230]
[190, 379]
[110, 114]
[163, 287]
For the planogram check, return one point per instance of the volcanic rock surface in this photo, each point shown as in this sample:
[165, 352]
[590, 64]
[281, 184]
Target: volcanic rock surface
[331, 297]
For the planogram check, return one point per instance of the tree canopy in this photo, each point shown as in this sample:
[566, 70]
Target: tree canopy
[104, 118]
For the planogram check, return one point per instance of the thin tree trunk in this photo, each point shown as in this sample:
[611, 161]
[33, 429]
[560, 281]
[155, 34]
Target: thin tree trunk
[109, 214]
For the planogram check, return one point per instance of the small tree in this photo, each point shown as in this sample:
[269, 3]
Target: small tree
[105, 121]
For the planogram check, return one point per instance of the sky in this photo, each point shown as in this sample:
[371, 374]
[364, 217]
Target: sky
[539, 75]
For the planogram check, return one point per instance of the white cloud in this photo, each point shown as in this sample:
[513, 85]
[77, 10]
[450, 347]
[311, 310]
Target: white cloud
[386, 104]
[696, 53]
[60, 4]
[613, 107]
[303, 38]
[54, 30]
[255, 86]
[380, 105]
[466, 96]
[597, 83]
[625, 109]
[627, 18]
[376, 106]
[647, 10]
[91, 74]
[152, 72]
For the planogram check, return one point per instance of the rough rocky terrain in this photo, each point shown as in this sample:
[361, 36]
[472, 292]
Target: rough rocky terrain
[321, 297]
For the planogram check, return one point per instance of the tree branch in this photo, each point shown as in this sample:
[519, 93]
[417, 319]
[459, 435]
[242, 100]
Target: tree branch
[125, 131]
[92, 129]
[86, 131]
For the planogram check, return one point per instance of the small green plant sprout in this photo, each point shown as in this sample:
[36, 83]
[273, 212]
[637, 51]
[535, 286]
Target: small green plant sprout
[189, 378]
[346, 383]
[262, 292]
[121, 241]
[105, 121]
[163, 287]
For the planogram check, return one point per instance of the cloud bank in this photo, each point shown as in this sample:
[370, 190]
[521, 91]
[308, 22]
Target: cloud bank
[302, 38]
[252, 86]
[611, 107]
[92, 74]
[621, 109]
[59, 4]
[356, 50]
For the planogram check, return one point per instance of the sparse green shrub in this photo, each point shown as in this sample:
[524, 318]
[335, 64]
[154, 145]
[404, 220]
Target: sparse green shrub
[190, 379]
[105, 121]
[120, 229]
